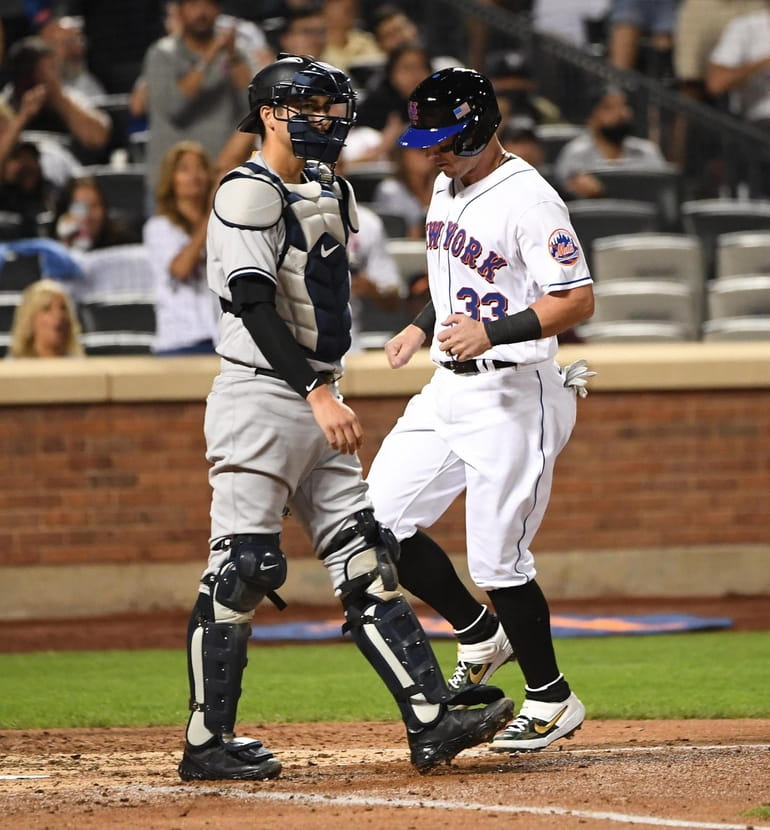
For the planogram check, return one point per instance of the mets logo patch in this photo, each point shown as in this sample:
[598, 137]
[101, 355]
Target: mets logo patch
[563, 247]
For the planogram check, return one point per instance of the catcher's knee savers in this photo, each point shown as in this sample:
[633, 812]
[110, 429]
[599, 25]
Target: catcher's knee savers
[256, 567]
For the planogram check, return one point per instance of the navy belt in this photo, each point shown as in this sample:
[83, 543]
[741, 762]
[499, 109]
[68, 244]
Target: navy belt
[476, 367]
[326, 377]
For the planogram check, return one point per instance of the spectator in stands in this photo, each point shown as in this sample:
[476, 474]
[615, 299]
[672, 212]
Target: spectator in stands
[196, 84]
[408, 191]
[606, 141]
[740, 66]
[518, 135]
[632, 20]
[82, 220]
[515, 90]
[699, 24]
[32, 68]
[24, 190]
[57, 161]
[45, 323]
[568, 19]
[302, 31]
[382, 116]
[406, 66]
[374, 275]
[348, 45]
[392, 27]
[698, 27]
[68, 43]
[175, 239]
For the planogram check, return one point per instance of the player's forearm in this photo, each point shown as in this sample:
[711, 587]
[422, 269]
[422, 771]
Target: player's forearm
[282, 351]
[562, 310]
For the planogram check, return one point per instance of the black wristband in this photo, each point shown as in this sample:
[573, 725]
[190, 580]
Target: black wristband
[426, 319]
[524, 325]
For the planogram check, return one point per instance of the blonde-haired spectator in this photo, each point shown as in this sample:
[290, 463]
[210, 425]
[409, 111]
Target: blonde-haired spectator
[175, 239]
[45, 323]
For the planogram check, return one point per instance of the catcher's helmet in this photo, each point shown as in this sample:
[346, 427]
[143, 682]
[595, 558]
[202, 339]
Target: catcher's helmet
[452, 102]
[292, 78]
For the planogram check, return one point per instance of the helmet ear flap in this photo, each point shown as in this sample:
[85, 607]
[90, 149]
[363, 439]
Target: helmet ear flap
[477, 133]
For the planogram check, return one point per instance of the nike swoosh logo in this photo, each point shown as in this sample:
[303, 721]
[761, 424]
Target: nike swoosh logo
[312, 386]
[264, 567]
[545, 728]
[325, 252]
[475, 674]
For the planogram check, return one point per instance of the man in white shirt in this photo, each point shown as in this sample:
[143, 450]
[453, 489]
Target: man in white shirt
[740, 66]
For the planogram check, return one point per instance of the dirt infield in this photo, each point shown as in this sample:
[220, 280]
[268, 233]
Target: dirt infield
[698, 774]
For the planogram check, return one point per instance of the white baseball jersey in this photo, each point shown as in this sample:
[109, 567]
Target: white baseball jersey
[493, 249]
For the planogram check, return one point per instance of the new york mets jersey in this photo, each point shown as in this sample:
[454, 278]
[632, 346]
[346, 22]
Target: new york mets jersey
[497, 246]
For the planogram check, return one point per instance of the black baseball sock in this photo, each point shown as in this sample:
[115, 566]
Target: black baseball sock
[523, 611]
[426, 571]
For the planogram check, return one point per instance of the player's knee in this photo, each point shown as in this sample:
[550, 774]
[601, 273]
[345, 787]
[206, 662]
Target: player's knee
[365, 554]
[255, 566]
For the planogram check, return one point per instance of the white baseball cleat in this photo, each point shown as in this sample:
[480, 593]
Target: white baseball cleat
[477, 662]
[539, 724]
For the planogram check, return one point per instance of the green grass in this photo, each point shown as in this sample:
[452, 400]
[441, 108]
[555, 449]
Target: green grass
[702, 675]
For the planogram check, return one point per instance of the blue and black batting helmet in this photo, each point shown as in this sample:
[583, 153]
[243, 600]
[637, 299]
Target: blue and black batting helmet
[452, 102]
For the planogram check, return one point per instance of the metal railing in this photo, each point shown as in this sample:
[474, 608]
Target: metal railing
[719, 154]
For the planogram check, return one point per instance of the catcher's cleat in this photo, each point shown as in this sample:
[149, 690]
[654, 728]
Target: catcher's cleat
[539, 724]
[457, 730]
[477, 662]
[240, 759]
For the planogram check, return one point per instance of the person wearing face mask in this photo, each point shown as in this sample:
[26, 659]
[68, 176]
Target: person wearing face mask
[606, 142]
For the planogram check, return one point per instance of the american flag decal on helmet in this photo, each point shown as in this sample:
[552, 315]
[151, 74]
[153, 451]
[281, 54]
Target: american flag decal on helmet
[412, 111]
[461, 111]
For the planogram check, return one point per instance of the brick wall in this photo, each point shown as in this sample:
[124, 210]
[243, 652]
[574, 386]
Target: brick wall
[112, 482]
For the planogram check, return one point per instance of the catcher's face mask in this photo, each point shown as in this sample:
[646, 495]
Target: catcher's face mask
[316, 99]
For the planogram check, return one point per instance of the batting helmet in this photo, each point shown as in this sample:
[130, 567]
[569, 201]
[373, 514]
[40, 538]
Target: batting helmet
[294, 77]
[452, 102]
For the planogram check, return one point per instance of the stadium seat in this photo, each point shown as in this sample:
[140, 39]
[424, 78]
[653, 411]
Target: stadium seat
[632, 331]
[651, 256]
[661, 186]
[710, 218]
[745, 295]
[596, 218]
[124, 314]
[737, 328]
[17, 271]
[743, 252]
[409, 255]
[651, 301]
[553, 137]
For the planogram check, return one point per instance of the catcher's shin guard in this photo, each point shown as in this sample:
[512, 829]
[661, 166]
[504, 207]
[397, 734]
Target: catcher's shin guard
[390, 636]
[216, 658]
